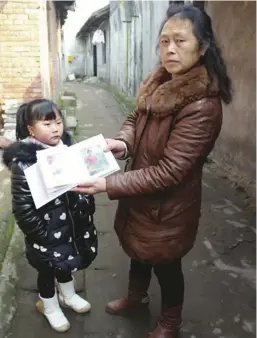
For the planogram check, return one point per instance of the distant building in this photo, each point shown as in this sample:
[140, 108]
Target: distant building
[97, 55]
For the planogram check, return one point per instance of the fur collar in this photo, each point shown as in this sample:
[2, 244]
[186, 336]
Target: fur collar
[164, 96]
[21, 152]
[25, 151]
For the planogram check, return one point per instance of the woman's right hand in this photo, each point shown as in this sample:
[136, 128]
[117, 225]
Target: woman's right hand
[117, 147]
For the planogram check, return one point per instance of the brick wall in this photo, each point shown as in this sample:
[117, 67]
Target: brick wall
[29, 54]
[19, 51]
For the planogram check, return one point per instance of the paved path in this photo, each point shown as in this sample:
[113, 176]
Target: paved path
[219, 271]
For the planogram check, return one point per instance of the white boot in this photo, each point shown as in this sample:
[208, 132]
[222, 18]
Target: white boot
[51, 309]
[69, 298]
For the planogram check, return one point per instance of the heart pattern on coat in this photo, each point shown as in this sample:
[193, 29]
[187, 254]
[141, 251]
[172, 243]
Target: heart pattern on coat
[57, 201]
[93, 248]
[86, 235]
[36, 246]
[58, 235]
[70, 258]
[63, 216]
[46, 217]
[42, 249]
[57, 254]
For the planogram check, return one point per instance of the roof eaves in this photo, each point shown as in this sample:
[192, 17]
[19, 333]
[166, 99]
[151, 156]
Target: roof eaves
[94, 22]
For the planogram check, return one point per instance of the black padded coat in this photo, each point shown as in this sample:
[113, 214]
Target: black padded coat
[61, 234]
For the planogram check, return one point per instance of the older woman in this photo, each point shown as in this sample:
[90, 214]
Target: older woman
[167, 139]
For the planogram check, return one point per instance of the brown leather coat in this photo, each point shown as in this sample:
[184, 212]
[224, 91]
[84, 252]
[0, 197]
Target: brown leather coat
[169, 136]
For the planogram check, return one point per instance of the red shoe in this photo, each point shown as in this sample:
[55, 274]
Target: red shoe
[137, 295]
[169, 324]
[125, 304]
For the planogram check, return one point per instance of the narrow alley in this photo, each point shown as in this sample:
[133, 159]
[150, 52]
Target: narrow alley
[219, 271]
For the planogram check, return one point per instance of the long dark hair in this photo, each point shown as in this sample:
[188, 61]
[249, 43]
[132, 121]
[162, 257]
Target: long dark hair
[36, 110]
[212, 58]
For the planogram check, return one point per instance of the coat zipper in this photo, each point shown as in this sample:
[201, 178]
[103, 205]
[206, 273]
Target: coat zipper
[73, 226]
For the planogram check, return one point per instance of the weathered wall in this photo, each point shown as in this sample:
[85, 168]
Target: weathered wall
[77, 66]
[88, 50]
[235, 26]
[134, 27]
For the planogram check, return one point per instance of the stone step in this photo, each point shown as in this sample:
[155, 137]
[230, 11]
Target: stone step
[68, 101]
[71, 122]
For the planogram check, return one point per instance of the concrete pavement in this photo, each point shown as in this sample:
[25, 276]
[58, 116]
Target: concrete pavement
[219, 271]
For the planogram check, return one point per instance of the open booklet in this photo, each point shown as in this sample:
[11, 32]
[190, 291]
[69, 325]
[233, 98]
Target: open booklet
[59, 169]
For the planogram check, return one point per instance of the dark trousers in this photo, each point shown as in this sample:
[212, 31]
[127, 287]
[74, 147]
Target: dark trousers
[170, 278]
[46, 281]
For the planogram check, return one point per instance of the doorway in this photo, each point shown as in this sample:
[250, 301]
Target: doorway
[94, 60]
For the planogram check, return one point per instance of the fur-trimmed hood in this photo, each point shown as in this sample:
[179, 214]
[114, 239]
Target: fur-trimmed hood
[21, 152]
[165, 96]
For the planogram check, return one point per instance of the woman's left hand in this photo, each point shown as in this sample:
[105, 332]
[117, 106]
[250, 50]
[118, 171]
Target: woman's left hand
[92, 187]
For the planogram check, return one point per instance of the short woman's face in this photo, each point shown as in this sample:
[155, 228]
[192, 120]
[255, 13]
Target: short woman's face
[179, 47]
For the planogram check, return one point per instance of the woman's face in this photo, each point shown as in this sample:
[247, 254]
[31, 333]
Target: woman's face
[179, 48]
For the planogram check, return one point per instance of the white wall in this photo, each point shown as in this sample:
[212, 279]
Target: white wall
[77, 66]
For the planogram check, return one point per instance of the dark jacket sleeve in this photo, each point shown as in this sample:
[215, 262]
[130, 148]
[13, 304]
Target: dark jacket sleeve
[25, 212]
[193, 137]
[128, 131]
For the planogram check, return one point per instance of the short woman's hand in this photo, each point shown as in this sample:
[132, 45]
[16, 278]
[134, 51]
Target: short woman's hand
[117, 147]
[91, 188]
